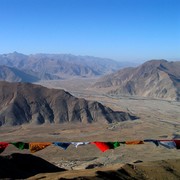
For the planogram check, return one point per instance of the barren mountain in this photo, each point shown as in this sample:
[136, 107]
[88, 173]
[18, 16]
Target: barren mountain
[27, 103]
[14, 75]
[56, 66]
[155, 78]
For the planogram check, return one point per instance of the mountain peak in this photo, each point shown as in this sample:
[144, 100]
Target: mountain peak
[154, 78]
[34, 104]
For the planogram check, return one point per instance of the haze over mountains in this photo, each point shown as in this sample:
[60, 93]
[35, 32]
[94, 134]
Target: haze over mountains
[34, 104]
[155, 78]
[58, 66]
[14, 75]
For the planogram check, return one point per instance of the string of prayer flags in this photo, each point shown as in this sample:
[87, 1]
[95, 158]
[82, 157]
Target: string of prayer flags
[21, 145]
[63, 145]
[76, 144]
[3, 146]
[37, 146]
[134, 142]
[103, 146]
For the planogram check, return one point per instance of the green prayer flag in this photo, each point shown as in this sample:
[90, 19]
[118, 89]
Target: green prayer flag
[114, 145]
[21, 145]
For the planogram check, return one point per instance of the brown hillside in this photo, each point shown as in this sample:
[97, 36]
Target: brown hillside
[27, 103]
[160, 170]
[27, 166]
[155, 78]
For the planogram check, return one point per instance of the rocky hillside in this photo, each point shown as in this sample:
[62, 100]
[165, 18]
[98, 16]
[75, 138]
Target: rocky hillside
[155, 78]
[160, 170]
[27, 103]
[57, 66]
[15, 166]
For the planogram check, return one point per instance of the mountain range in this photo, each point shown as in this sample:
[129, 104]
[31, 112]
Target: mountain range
[14, 75]
[155, 79]
[25, 103]
[58, 66]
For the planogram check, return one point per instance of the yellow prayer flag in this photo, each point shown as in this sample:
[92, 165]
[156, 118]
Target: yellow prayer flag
[37, 146]
[134, 142]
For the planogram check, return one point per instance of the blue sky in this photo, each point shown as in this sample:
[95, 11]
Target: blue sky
[123, 30]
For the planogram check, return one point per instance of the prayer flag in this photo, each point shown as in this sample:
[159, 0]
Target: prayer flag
[3, 146]
[170, 144]
[103, 146]
[76, 144]
[113, 145]
[153, 141]
[177, 143]
[37, 146]
[21, 145]
[63, 145]
[134, 142]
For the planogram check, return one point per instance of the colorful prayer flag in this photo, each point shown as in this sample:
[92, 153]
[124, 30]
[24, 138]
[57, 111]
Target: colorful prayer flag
[3, 146]
[37, 146]
[170, 144]
[134, 142]
[177, 143]
[76, 144]
[113, 145]
[63, 145]
[156, 142]
[21, 145]
[103, 146]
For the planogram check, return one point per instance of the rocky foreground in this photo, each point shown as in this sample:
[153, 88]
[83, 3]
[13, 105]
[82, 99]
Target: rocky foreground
[26, 166]
[160, 170]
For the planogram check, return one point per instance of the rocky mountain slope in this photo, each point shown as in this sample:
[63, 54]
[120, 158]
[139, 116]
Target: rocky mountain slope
[27, 103]
[57, 66]
[155, 78]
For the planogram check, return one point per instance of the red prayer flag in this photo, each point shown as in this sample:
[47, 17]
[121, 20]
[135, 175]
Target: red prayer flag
[177, 143]
[3, 146]
[102, 145]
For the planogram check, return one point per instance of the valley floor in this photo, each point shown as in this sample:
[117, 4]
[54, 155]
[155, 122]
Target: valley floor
[158, 119]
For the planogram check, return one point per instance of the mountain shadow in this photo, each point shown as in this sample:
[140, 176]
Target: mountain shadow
[22, 166]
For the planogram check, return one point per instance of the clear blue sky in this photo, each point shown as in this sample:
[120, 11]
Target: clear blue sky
[117, 29]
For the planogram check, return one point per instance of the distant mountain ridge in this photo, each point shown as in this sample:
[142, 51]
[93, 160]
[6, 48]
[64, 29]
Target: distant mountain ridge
[155, 78]
[14, 75]
[25, 103]
[58, 66]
